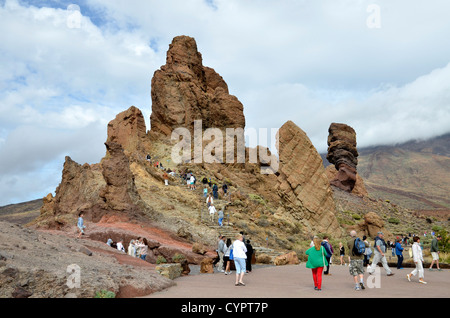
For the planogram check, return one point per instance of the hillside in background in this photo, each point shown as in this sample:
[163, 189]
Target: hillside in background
[415, 174]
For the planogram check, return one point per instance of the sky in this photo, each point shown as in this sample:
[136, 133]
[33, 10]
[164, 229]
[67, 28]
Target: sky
[68, 67]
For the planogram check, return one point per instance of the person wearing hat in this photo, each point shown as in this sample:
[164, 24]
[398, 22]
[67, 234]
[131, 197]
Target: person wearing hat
[379, 256]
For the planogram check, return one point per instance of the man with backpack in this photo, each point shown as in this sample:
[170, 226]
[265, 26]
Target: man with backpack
[380, 247]
[356, 248]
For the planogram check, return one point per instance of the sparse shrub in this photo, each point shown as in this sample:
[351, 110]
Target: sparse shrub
[356, 216]
[178, 258]
[393, 220]
[161, 260]
[257, 198]
[105, 294]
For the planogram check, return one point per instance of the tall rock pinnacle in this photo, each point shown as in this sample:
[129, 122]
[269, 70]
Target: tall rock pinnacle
[183, 90]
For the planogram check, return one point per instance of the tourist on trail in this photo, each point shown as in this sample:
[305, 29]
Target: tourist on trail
[399, 253]
[435, 252]
[205, 192]
[239, 256]
[418, 260]
[317, 260]
[221, 250]
[225, 189]
[368, 252]
[142, 245]
[220, 217]
[226, 257]
[342, 253]
[166, 178]
[192, 181]
[120, 246]
[80, 224]
[329, 249]
[212, 211]
[132, 248]
[380, 247]
[215, 190]
[209, 201]
[355, 259]
[248, 263]
[109, 242]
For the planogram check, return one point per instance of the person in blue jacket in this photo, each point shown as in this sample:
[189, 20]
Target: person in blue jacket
[399, 253]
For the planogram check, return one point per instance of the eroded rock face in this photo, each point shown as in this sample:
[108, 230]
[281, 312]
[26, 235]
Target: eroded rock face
[303, 184]
[128, 129]
[343, 154]
[183, 90]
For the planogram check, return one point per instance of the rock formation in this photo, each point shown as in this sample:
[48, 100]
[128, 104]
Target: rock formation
[295, 199]
[183, 90]
[303, 184]
[343, 154]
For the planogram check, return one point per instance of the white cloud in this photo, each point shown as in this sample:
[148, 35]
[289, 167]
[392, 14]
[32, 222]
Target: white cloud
[313, 62]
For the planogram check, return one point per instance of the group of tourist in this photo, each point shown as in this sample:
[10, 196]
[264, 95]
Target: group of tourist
[320, 252]
[137, 247]
[240, 252]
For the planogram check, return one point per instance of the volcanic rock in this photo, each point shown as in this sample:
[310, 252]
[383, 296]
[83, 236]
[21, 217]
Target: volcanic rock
[183, 90]
[303, 184]
[343, 154]
[128, 129]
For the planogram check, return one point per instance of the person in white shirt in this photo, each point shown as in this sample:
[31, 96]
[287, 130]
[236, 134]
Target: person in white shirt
[120, 246]
[418, 260]
[212, 211]
[239, 255]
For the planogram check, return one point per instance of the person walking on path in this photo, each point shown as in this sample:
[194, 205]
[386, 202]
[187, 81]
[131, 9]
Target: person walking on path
[355, 259]
[248, 263]
[80, 225]
[209, 200]
[435, 252]
[317, 260]
[239, 255]
[418, 260]
[226, 257]
[342, 253]
[221, 249]
[368, 252]
[329, 249]
[379, 256]
[166, 178]
[399, 253]
[220, 217]
[212, 211]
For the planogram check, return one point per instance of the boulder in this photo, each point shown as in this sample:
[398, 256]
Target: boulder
[287, 259]
[206, 266]
[170, 271]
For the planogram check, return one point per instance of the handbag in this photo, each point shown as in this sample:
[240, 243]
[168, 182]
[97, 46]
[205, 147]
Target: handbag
[231, 255]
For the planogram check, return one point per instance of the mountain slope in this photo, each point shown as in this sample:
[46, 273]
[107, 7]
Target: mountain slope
[415, 174]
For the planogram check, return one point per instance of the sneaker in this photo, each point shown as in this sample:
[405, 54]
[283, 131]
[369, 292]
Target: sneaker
[408, 276]
[362, 285]
[421, 281]
[390, 274]
[357, 288]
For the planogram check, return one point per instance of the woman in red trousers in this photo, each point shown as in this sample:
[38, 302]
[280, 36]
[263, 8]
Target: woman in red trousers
[317, 260]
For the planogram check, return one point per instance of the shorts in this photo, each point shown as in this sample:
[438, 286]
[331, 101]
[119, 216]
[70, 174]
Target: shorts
[435, 256]
[239, 263]
[356, 267]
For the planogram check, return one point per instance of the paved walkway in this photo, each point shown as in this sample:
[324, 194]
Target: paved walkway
[295, 281]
